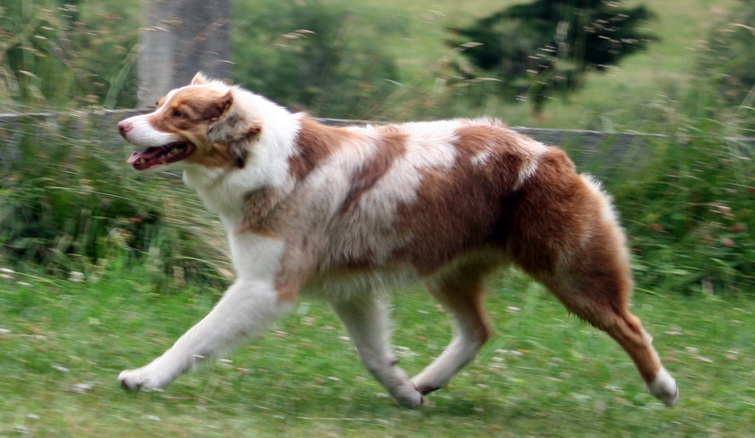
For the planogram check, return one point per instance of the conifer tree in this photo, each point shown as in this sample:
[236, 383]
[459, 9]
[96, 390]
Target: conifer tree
[543, 49]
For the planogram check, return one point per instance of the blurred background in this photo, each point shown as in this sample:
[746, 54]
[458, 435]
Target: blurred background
[685, 72]
[102, 267]
[569, 64]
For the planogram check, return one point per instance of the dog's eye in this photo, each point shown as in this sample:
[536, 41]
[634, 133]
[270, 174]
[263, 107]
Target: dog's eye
[179, 114]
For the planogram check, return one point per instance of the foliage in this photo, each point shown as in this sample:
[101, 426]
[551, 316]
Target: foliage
[318, 55]
[727, 70]
[687, 204]
[55, 54]
[541, 49]
[77, 207]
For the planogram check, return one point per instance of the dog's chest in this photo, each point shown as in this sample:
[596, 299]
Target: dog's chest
[220, 194]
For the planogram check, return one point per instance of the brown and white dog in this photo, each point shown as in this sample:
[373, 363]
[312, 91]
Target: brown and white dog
[343, 213]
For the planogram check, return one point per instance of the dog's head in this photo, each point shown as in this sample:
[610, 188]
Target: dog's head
[198, 123]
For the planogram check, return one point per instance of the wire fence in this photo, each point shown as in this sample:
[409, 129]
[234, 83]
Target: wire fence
[593, 150]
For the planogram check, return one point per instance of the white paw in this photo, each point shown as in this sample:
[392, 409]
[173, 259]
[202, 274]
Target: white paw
[408, 396]
[664, 388]
[140, 379]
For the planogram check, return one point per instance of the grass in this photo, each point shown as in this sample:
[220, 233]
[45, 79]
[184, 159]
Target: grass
[545, 374]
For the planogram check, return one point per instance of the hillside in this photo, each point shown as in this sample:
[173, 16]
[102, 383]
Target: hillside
[660, 74]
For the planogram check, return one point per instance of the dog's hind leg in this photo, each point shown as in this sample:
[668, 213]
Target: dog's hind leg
[247, 307]
[602, 307]
[594, 282]
[565, 233]
[367, 321]
[462, 294]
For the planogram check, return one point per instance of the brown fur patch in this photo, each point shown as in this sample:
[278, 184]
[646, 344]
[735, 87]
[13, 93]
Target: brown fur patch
[289, 280]
[315, 143]
[258, 211]
[505, 153]
[391, 147]
[468, 204]
[191, 109]
[462, 210]
[218, 155]
[547, 214]
[475, 139]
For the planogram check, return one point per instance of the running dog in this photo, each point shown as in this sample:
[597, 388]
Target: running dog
[342, 213]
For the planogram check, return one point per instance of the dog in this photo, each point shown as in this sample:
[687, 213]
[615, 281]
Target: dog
[342, 213]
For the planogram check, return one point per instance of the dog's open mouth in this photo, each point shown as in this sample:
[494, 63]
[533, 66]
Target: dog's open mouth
[161, 155]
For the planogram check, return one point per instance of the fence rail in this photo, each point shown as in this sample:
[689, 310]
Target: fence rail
[591, 149]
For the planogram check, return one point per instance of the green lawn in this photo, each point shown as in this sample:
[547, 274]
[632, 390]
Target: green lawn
[544, 374]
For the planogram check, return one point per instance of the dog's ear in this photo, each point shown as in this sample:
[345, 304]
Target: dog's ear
[244, 135]
[233, 129]
[218, 108]
[199, 79]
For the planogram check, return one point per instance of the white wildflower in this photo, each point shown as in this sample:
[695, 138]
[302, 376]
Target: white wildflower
[82, 388]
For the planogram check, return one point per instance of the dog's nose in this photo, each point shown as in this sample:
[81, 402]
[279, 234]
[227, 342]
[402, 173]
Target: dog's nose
[124, 126]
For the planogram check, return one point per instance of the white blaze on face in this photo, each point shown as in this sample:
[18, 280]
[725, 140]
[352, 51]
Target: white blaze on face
[143, 134]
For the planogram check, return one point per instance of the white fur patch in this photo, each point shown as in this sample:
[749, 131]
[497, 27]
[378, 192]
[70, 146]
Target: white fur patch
[256, 256]
[536, 150]
[664, 388]
[143, 134]
[429, 145]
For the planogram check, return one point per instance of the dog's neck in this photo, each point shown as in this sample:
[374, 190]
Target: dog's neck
[225, 190]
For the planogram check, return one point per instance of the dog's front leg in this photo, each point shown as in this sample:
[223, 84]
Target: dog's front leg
[248, 307]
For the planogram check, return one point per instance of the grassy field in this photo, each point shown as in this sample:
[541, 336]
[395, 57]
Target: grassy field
[545, 374]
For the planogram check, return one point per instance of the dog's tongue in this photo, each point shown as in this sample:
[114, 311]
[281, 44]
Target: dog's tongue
[147, 159]
[134, 157]
[147, 155]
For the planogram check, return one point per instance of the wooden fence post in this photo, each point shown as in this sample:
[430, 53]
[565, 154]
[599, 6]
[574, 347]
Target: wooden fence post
[181, 38]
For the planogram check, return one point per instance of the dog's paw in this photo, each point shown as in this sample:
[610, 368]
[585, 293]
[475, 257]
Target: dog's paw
[409, 396]
[664, 388]
[139, 379]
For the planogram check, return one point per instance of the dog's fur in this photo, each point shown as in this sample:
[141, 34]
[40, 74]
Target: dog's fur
[343, 213]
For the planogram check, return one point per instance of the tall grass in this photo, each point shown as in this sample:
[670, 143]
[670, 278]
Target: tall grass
[71, 204]
[57, 54]
[687, 206]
